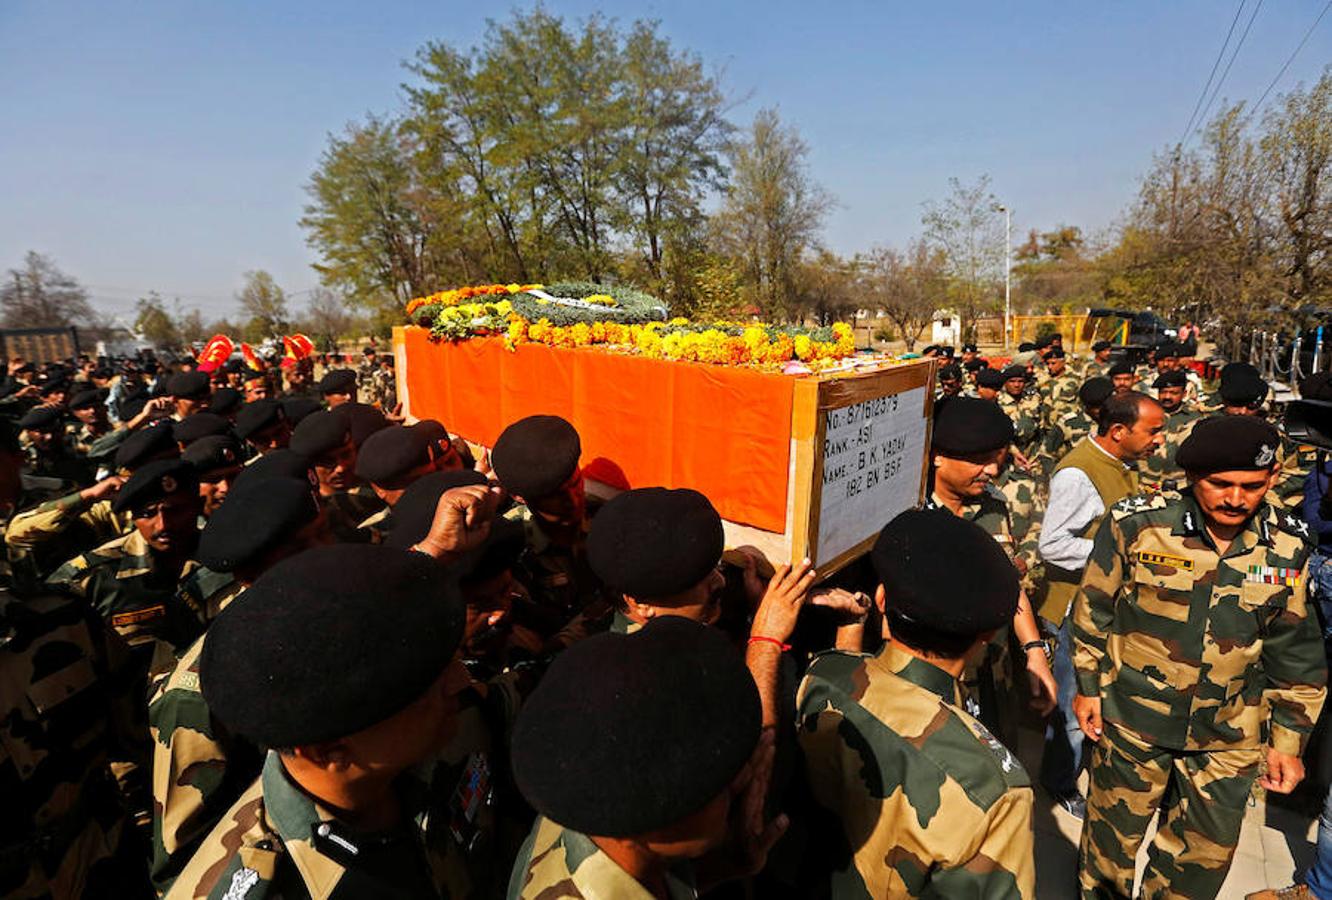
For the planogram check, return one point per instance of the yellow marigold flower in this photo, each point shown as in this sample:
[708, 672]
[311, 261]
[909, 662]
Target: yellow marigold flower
[803, 346]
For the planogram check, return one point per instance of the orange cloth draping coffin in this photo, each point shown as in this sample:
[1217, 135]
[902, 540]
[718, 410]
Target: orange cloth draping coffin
[725, 432]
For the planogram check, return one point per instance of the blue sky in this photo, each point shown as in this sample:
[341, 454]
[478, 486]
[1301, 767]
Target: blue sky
[165, 145]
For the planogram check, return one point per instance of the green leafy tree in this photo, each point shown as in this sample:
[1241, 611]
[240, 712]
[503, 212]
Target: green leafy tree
[154, 324]
[264, 305]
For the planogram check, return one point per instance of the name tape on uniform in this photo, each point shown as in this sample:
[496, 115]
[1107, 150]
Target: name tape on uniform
[1165, 559]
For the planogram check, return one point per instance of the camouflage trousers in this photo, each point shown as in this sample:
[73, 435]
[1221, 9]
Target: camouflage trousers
[1200, 822]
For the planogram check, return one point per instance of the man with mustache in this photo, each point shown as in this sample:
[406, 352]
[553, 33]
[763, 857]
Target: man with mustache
[1199, 665]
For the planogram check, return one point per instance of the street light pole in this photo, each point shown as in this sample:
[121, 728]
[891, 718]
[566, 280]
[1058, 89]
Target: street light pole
[1008, 272]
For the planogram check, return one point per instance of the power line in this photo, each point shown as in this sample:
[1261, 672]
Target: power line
[1220, 53]
[1226, 71]
[1290, 59]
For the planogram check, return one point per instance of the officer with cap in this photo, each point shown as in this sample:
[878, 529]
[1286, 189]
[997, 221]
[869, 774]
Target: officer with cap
[1244, 392]
[969, 450]
[266, 521]
[1160, 471]
[338, 386]
[948, 805]
[1024, 408]
[217, 459]
[1121, 374]
[1099, 364]
[47, 450]
[353, 799]
[131, 581]
[1198, 662]
[190, 393]
[389, 461]
[263, 425]
[1059, 393]
[325, 438]
[950, 381]
[536, 460]
[631, 802]
[989, 382]
[88, 407]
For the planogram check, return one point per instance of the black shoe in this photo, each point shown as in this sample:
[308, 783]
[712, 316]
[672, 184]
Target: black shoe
[1074, 804]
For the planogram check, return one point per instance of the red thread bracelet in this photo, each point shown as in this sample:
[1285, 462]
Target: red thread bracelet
[764, 639]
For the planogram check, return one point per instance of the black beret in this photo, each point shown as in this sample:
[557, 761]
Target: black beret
[153, 481]
[390, 454]
[950, 372]
[214, 452]
[225, 401]
[1044, 341]
[629, 733]
[297, 408]
[257, 516]
[433, 431]
[329, 642]
[363, 420]
[946, 350]
[1101, 345]
[42, 418]
[198, 425]
[151, 441]
[415, 509]
[990, 378]
[319, 433]
[1015, 372]
[1056, 353]
[932, 348]
[1120, 368]
[916, 558]
[1229, 444]
[970, 348]
[535, 455]
[87, 399]
[338, 381]
[965, 425]
[55, 386]
[1167, 351]
[972, 365]
[1241, 385]
[190, 385]
[655, 542]
[256, 416]
[1173, 378]
[283, 463]
[1095, 391]
[1025, 346]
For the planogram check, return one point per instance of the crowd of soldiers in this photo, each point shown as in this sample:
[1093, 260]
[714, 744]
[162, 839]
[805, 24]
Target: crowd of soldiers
[262, 636]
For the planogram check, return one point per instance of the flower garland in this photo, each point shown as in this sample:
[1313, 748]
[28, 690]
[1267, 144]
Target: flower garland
[524, 318]
[458, 295]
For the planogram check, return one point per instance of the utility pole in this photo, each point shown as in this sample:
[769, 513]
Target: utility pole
[1008, 272]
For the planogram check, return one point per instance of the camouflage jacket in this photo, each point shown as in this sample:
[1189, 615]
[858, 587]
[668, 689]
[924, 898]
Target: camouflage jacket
[39, 540]
[1064, 433]
[1159, 472]
[1195, 650]
[1059, 394]
[69, 717]
[208, 592]
[198, 769]
[1024, 496]
[272, 840]
[346, 510]
[922, 800]
[124, 583]
[1094, 369]
[1028, 420]
[558, 578]
[381, 388]
[557, 862]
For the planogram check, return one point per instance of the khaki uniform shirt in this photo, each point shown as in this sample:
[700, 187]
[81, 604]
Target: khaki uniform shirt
[922, 799]
[557, 862]
[1191, 649]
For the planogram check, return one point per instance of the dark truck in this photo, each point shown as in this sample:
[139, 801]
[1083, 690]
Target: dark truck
[1134, 334]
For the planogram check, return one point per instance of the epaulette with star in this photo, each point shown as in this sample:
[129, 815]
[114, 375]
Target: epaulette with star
[1137, 503]
[1293, 524]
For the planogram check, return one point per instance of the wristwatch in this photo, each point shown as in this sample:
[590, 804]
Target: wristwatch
[1030, 645]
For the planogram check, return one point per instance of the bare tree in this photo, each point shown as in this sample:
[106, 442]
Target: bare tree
[326, 316]
[969, 231]
[908, 287]
[39, 295]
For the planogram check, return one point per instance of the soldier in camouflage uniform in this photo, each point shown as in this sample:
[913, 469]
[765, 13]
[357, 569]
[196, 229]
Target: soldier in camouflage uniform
[1159, 471]
[89, 408]
[49, 448]
[631, 780]
[132, 581]
[69, 717]
[1059, 393]
[1023, 406]
[419, 826]
[1243, 392]
[1070, 428]
[1099, 364]
[968, 451]
[918, 798]
[1199, 665]
[327, 439]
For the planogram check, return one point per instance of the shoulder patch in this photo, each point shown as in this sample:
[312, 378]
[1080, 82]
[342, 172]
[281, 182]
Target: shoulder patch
[1137, 503]
[1293, 524]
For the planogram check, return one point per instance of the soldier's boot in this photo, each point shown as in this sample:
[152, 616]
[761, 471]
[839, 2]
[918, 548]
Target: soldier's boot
[1127, 780]
[1196, 839]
